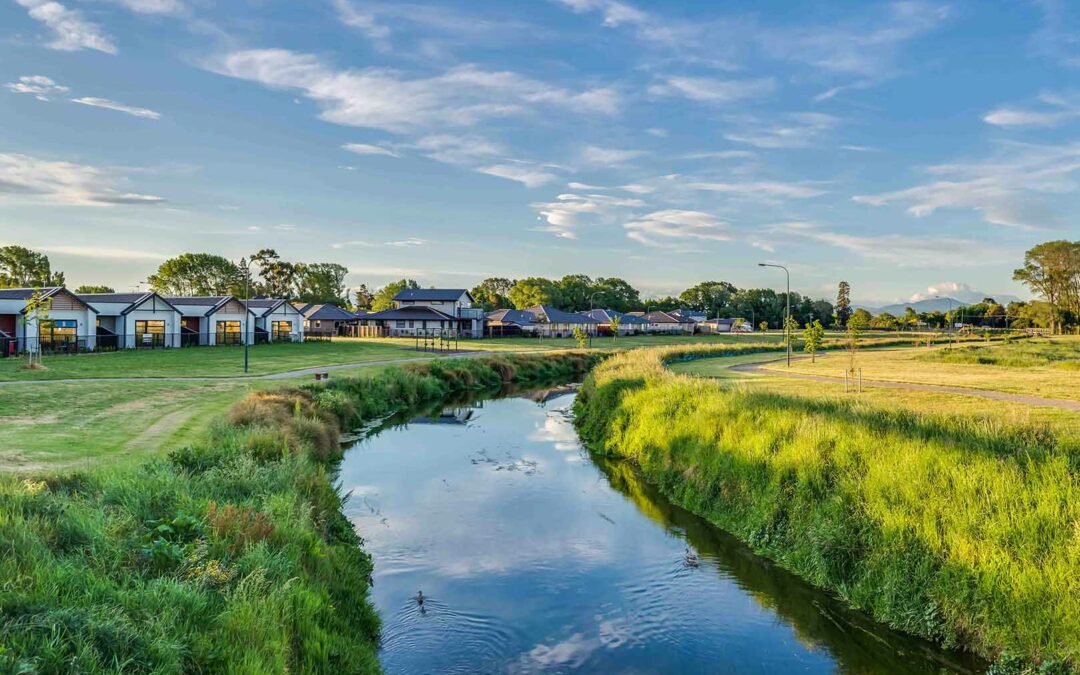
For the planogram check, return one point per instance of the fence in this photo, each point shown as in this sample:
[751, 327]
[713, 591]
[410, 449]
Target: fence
[111, 342]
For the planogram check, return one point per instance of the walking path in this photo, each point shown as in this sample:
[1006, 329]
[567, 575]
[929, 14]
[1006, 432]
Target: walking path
[758, 369]
[289, 374]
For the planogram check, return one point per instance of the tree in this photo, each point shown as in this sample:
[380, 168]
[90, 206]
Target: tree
[384, 297]
[812, 339]
[616, 321]
[1052, 270]
[910, 318]
[85, 288]
[320, 283]
[493, 293]
[618, 294]
[279, 278]
[533, 291]
[37, 310]
[22, 268]
[763, 326]
[884, 321]
[197, 274]
[856, 324]
[362, 298]
[790, 326]
[822, 310]
[864, 317]
[709, 296]
[843, 303]
[581, 337]
[574, 292]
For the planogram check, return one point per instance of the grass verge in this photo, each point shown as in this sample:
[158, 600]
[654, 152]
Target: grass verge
[961, 529]
[229, 555]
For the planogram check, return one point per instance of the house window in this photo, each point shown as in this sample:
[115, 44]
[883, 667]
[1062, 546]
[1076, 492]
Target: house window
[281, 331]
[58, 333]
[229, 333]
[150, 333]
[411, 324]
[399, 324]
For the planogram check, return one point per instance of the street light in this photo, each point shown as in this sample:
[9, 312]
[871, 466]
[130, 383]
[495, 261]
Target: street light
[787, 302]
[591, 299]
[247, 311]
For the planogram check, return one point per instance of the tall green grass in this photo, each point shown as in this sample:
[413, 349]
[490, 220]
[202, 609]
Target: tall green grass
[1034, 353]
[966, 531]
[231, 555]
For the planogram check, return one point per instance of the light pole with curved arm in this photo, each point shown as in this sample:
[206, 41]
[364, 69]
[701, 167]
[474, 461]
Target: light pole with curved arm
[787, 301]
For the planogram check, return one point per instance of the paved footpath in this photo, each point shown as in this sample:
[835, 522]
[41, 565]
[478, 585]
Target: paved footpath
[758, 369]
[289, 374]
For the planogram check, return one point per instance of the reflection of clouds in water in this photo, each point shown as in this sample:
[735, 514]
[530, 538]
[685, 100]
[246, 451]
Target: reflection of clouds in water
[361, 490]
[570, 653]
[557, 430]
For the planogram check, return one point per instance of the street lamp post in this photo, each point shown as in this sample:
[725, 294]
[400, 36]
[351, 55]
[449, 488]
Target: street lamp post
[787, 302]
[247, 312]
[591, 299]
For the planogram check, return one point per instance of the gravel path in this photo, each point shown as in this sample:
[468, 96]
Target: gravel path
[757, 369]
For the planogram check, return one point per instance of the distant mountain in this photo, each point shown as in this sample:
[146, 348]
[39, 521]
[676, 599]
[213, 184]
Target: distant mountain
[928, 305]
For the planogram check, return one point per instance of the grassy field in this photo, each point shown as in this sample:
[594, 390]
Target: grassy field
[1035, 368]
[938, 518]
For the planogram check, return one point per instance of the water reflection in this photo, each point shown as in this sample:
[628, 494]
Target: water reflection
[534, 557]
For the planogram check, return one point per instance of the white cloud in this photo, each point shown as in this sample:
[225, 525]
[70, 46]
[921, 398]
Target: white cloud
[901, 250]
[614, 13]
[567, 211]
[71, 31]
[721, 154]
[1012, 189]
[385, 99]
[957, 291]
[366, 149]
[526, 175]
[28, 178]
[767, 189]
[454, 149]
[657, 132]
[711, 90]
[153, 6]
[608, 156]
[794, 130]
[101, 252]
[1059, 36]
[672, 228]
[637, 189]
[401, 243]
[95, 102]
[364, 21]
[1062, 108]
[39, 86]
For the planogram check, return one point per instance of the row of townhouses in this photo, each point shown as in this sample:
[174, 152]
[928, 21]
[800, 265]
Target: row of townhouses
[110, 321]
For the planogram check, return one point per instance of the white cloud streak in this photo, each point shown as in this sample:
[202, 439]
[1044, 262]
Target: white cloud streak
[71, 31]
[39, 86]
[366, 149]
[1059, 109]
[134, 111]
[712, 90]
[673, 228]
[25, 178]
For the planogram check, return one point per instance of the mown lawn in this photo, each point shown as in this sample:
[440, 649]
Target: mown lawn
[1037, 377]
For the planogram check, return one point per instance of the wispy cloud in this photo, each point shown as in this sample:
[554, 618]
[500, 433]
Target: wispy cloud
[39, 86]
[153, 6]
[1058, 37]
[1012, 189]
[900, 250]
[712, 90]
[27, 178]
[673, 228]
[794, 130]
[529, 176]
[567, 211]
[71, 31]
[767, 189]
[134, 111]
[1058, 109]
[400, 243]
[367, 149]
[101, 252]
[599, 156]
[385, 99]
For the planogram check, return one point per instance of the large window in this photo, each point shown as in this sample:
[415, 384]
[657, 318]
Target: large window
[280, 331]
[229, 333]
[57, 334]
[150, 333]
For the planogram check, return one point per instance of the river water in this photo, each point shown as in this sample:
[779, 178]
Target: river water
[534, 557]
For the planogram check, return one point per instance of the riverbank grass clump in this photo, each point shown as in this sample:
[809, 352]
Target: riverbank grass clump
[963, 530]
[229, 555]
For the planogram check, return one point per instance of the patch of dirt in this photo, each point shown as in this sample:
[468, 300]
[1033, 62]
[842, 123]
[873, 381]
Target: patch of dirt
[150, 438]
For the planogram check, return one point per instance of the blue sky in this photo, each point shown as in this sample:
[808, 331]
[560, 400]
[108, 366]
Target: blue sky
[899, 145]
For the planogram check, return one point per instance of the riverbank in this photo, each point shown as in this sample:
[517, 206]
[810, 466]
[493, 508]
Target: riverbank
[229, 555]
[955, 529]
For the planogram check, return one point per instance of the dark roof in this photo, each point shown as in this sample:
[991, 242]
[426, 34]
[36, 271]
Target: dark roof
[665, 317]
[605, 316]
[687, 313]
[24, 293]
[327, 312]
[199, 300]
[267, 305]
[414, 313]
[118, 298]
[443, 294]
[514, 316]
[558, 316]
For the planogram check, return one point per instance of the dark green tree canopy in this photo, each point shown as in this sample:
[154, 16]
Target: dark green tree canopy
[90, 288]
[384, 297]
[198, 274]
[22, 268]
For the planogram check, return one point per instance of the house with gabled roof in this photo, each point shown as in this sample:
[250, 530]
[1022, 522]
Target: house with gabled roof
[628, 323]
[539, 321]
[325, 320]
[68, 328]
[214, 320]
[134, 320]
[666, 322]
[276, 320]
[448, 310]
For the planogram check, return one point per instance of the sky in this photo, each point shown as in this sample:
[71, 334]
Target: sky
[909, 148]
